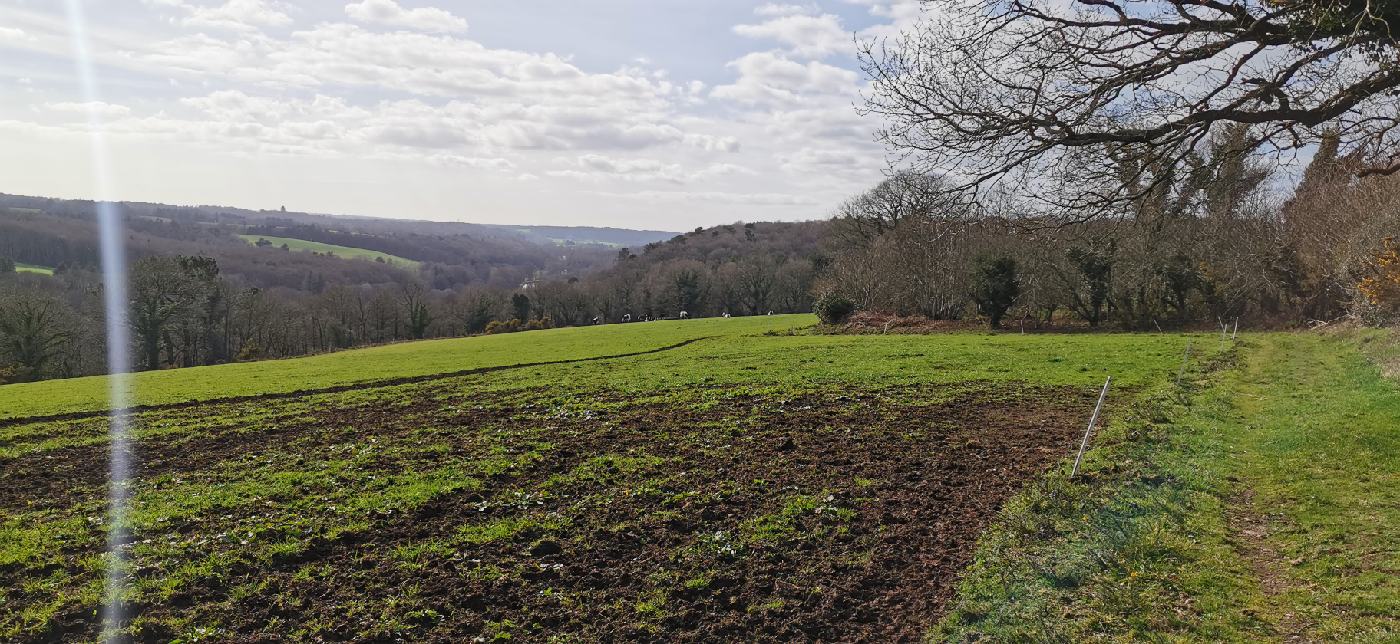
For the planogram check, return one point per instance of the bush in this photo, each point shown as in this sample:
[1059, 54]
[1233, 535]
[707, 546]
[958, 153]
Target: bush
[995, 287]
[497, 326]
[539, 323]
[833, 309]
[1381, 287]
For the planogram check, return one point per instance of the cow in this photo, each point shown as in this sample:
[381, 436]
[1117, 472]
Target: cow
[627, 317]
[684, 315]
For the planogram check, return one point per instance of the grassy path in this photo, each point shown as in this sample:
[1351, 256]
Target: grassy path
[1318, 510]
[1265, 506]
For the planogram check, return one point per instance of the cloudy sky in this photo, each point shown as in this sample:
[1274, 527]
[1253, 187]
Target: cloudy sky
[640, 113]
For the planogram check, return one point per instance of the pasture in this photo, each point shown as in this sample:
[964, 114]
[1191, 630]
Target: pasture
[33, 268]
[347, 252]
[686, 480]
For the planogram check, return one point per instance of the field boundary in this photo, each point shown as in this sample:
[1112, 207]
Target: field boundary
[335, 389]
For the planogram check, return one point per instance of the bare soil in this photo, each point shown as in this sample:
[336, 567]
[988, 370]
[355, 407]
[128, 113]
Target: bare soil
[823, 517]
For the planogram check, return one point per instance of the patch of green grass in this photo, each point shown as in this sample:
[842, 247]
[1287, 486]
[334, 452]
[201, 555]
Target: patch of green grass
[1318, 445]
[33, 268]
[820, 510]
[760, 363]
[1157, 540]
[390, 361]
[347, 252]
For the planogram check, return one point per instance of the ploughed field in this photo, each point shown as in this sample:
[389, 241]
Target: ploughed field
[746, 483]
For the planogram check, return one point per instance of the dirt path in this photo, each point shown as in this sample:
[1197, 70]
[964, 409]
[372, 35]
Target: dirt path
[1251, 532]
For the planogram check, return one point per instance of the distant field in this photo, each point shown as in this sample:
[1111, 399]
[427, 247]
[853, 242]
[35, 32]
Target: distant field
[374, 363]
[339, 251]
[32, 268]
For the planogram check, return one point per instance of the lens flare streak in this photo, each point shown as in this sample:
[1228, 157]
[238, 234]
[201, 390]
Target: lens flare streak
[118, 334]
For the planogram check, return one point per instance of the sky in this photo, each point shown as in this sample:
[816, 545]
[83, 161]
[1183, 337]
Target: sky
[659, 114]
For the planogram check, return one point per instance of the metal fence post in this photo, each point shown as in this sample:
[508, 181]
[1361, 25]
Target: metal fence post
[1092, 420]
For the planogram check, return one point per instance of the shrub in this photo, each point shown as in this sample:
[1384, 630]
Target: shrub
[833, 309]
[497, 326]
[1382, 287]
[995, 287]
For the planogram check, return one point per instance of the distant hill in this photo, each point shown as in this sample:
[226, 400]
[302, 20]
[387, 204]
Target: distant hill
[571, 235]
[445, 255]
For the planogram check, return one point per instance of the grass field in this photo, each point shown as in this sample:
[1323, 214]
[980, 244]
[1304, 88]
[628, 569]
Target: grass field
[1263, 506]
[33, 268]
[376, 363]
[347, 252]
[735, 479]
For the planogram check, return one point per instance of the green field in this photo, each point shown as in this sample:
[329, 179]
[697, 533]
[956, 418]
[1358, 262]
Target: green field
[376, 363]
[347, 252]
[737, 479]
[32, 268]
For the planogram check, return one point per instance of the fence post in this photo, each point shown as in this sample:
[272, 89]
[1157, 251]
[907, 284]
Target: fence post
[1184, 359]
[1092, 420]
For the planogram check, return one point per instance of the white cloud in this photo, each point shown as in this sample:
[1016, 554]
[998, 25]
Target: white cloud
[803, 34]
[97, 108]
[740, 198]
[600, 167]
[775, 9]
[235, 15]
[711, 143]
[390, 13]
[899, 15]
[14, 33]
[255, 80]
[772, 78]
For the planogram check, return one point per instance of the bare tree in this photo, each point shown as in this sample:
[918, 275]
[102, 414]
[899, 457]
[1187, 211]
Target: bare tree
[33, 332]
[1043, 99]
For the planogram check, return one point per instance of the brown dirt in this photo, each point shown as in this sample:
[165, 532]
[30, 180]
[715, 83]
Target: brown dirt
[904, 489]
[1251, 532]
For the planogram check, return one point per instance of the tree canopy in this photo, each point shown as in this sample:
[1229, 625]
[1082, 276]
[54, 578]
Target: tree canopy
[1045, 99]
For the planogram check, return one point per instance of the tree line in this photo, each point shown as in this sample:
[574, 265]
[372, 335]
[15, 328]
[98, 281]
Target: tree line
[1207, 244]
[185, 310]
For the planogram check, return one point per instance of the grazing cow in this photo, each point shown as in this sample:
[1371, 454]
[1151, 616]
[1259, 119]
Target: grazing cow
[726, 314]
[595, 319]
[684, 315]
[770, 313]
[627, 317]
